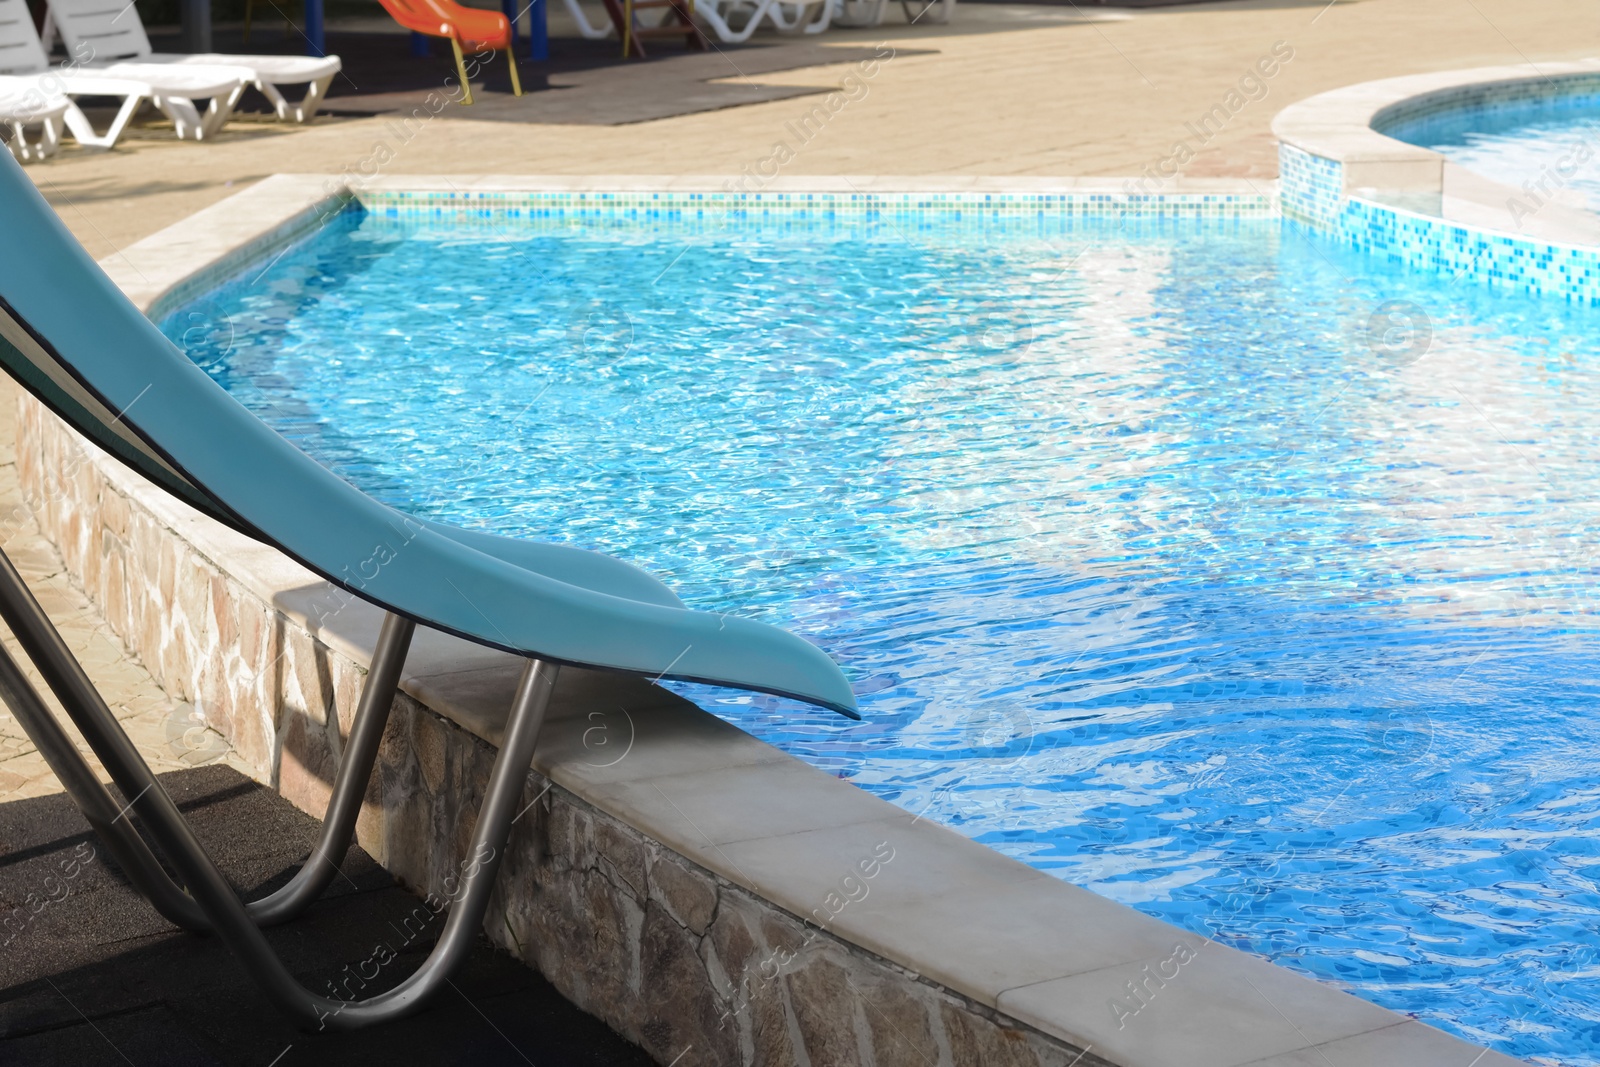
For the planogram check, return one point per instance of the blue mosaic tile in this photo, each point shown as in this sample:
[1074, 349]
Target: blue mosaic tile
[1311, 192]
[587, 204]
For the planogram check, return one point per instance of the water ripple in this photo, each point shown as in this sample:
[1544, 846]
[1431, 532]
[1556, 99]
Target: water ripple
[1150, 566]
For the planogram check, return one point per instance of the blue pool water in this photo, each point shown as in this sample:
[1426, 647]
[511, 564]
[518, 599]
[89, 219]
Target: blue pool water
[1553, 143]
[1228, 574]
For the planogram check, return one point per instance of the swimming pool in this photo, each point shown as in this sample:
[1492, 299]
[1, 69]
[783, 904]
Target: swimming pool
[1232, 575]
[1549, 147]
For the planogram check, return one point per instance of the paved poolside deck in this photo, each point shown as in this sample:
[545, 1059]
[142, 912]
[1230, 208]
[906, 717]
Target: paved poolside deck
[1008, 90]
[169, 739]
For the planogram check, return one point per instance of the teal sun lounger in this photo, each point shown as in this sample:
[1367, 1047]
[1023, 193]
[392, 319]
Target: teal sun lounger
[70, 337]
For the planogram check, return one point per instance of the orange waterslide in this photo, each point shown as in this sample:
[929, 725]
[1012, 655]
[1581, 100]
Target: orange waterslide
[468, 29]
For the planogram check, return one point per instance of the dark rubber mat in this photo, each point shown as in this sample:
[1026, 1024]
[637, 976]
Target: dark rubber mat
[90, 975]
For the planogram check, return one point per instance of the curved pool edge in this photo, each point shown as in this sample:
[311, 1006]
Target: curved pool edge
[699, 854]
[1340, 174]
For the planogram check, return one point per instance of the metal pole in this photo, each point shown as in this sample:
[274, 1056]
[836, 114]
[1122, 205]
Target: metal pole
[316, 38]
[470, 899]
[227, 914]
[509, 8]
[83, 703]
[538, 32]
[461, 71]
[196, 18]
[106, 817]
[350, 784]
[501, 802]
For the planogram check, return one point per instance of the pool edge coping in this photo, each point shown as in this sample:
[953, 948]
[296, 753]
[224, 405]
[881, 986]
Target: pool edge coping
[1075, 1003]
[1345, 126]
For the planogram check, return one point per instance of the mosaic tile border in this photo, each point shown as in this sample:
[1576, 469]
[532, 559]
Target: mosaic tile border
[1503, 261]
[1310, 187]
[1078, 202]
[699, 210]
[1485, 97]
[1331, 145]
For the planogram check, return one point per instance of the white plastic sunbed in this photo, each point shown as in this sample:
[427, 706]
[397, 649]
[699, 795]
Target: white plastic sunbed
[869, 13]
[786, 16]
[720, 16]
[791, 17]
[23, 103]
[110, 30]
[586, 29]
[173, 89]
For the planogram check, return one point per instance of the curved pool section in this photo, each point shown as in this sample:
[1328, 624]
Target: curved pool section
[1547, 147]
[1212, 566]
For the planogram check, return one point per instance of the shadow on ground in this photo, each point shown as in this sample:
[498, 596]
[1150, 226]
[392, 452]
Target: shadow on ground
[90, 975]
[584, 82]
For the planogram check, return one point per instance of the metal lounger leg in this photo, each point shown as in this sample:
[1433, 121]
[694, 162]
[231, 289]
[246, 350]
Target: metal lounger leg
[461, 71]
[93, 799]
[516, 79]
[485, 855]
[76, 691]
[216, 898]
[350, 784]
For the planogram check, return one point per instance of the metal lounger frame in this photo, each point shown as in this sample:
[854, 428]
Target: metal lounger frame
[211, 904]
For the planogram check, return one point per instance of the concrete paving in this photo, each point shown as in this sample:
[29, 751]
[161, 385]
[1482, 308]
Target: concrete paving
[588, 86]
[1008, 89]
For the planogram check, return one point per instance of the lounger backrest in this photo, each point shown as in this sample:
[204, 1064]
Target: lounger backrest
[102, 30]
[20, 50]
